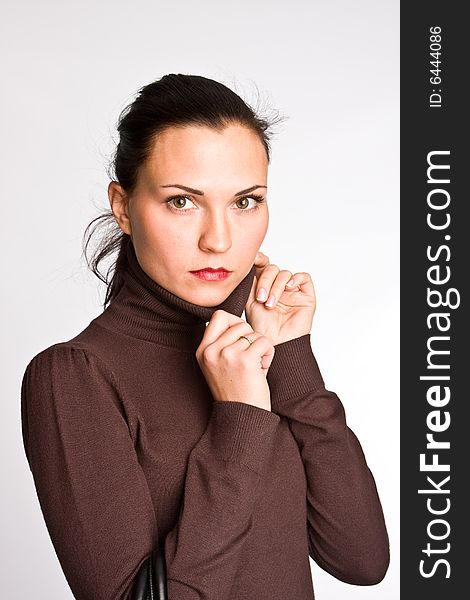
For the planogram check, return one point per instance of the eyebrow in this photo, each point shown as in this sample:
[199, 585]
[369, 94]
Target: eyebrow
[200, 193]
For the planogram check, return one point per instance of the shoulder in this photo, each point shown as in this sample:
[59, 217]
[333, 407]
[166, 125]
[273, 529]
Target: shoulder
[67, 364]
[68, 381]
[71, 352]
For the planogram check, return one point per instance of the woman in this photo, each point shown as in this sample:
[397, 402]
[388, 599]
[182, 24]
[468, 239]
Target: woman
[170, 420]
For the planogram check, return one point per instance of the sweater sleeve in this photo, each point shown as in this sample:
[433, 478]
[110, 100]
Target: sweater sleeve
[345, 523]
[95, 498]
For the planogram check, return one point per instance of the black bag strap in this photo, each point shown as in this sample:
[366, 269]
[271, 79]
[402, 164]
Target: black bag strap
[158, 575]
[150, 581]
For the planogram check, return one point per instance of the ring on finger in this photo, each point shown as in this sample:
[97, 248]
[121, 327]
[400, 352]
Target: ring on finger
[246, 338]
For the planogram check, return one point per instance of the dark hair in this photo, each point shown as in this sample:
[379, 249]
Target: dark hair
[173, 100]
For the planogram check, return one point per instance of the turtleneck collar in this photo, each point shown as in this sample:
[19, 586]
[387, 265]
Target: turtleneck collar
[146, 310]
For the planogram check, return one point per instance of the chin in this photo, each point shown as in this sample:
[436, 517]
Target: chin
[210, 297]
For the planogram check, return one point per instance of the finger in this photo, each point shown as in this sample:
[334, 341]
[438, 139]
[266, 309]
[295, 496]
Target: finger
[303, 282]
[261, 350]
[220, 321]
[261, 260]
[277, 288]
[265, 282]
[232, 342]
[232, 335]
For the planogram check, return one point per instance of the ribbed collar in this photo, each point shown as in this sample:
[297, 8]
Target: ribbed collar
[146, 310]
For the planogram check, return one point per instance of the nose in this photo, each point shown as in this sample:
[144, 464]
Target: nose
[215, 235]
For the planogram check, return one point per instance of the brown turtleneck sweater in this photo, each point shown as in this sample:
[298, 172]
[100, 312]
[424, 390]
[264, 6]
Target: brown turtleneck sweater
[128, 450]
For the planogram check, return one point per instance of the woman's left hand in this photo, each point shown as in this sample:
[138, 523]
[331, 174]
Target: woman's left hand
[291, 315]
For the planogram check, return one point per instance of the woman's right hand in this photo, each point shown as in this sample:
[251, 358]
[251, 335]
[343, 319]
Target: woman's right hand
[234, 369]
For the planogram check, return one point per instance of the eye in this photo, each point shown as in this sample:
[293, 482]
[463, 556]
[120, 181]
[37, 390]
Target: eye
[257, 200]
[177, 199]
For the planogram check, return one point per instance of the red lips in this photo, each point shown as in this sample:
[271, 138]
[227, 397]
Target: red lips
[211, 270]
[210, 274]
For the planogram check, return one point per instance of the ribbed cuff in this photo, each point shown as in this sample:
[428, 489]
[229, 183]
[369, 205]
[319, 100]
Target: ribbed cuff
[293, 371]
[240, 432]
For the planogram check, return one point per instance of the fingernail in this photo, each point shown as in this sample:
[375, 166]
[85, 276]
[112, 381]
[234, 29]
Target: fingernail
[270, 301]
[290, 283]
[262, 294]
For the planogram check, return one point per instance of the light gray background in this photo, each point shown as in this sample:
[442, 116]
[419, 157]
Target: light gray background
[333, 68]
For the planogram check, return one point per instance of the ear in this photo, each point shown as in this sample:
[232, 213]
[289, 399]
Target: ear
[119, 203]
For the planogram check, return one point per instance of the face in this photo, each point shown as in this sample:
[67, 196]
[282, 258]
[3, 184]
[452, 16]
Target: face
[216, 221]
